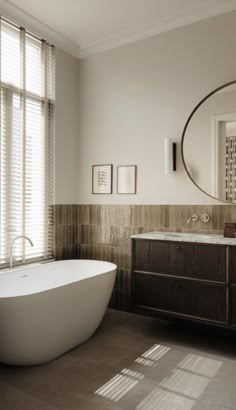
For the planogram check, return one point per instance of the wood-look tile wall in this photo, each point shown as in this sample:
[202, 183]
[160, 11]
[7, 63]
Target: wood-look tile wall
[103, 232]
[66, 231]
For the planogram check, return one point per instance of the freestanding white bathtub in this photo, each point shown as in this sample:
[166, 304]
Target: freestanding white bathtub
[48, 309]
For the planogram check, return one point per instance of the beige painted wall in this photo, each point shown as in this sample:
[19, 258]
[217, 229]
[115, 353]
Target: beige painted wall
[132, 97]
[66, 131]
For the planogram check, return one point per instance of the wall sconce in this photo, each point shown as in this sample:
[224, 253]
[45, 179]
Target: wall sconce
[169, 156]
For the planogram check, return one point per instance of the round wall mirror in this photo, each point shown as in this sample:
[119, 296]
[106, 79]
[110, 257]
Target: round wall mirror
[209, 144]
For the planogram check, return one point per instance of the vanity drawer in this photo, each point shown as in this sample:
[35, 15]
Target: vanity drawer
[198, 261]
[172, 295]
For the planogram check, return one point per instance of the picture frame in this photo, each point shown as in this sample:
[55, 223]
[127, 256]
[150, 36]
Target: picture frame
[126, 179]
[102, 176]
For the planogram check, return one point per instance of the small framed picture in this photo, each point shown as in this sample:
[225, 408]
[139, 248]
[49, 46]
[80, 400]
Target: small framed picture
[126, 179]
[102, 179]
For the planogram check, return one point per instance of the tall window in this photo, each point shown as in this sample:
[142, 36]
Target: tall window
[26, 145]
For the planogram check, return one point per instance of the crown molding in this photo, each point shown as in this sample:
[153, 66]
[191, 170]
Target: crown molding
[30, 23]
[160, 26]
[19, 16]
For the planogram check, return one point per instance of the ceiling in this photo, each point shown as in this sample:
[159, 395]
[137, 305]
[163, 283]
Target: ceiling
[98, 25]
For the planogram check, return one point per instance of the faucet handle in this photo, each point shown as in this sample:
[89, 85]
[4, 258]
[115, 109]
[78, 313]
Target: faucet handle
[205, 217]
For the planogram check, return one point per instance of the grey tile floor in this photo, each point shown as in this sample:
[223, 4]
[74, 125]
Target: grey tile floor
[132, 362]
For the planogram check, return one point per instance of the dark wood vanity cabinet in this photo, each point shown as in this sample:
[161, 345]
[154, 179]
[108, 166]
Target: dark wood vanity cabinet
[195, 281]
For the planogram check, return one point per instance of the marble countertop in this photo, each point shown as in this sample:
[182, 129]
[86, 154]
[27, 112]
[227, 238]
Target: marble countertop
[187, 237]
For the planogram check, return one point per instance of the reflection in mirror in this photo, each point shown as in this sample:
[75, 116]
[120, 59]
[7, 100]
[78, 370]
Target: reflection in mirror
[209, 144]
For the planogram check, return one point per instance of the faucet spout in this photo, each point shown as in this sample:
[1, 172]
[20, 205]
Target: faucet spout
[193, 218]
[11, 247]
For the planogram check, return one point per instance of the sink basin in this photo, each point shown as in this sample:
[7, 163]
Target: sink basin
[178, 235]
[204, 236]
[190, 235]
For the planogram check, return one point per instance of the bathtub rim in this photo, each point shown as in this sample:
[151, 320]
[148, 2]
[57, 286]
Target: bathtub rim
[113, 267]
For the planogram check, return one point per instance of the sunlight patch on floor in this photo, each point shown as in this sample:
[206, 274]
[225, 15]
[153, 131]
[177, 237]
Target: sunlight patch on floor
[120, 385]
[159, 399]
[151, 356]
[200, 365]
[185, 383]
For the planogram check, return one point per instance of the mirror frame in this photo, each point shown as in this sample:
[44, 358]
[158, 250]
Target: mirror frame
[184, 134]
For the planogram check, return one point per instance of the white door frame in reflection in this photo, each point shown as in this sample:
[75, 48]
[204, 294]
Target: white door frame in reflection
[217, 121]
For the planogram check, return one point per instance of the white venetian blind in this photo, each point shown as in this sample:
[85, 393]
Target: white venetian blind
[26, 146]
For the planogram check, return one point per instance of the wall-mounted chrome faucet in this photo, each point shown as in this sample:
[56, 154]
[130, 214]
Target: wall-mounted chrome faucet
[193, 218]
[205, 217]
[11, 247]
